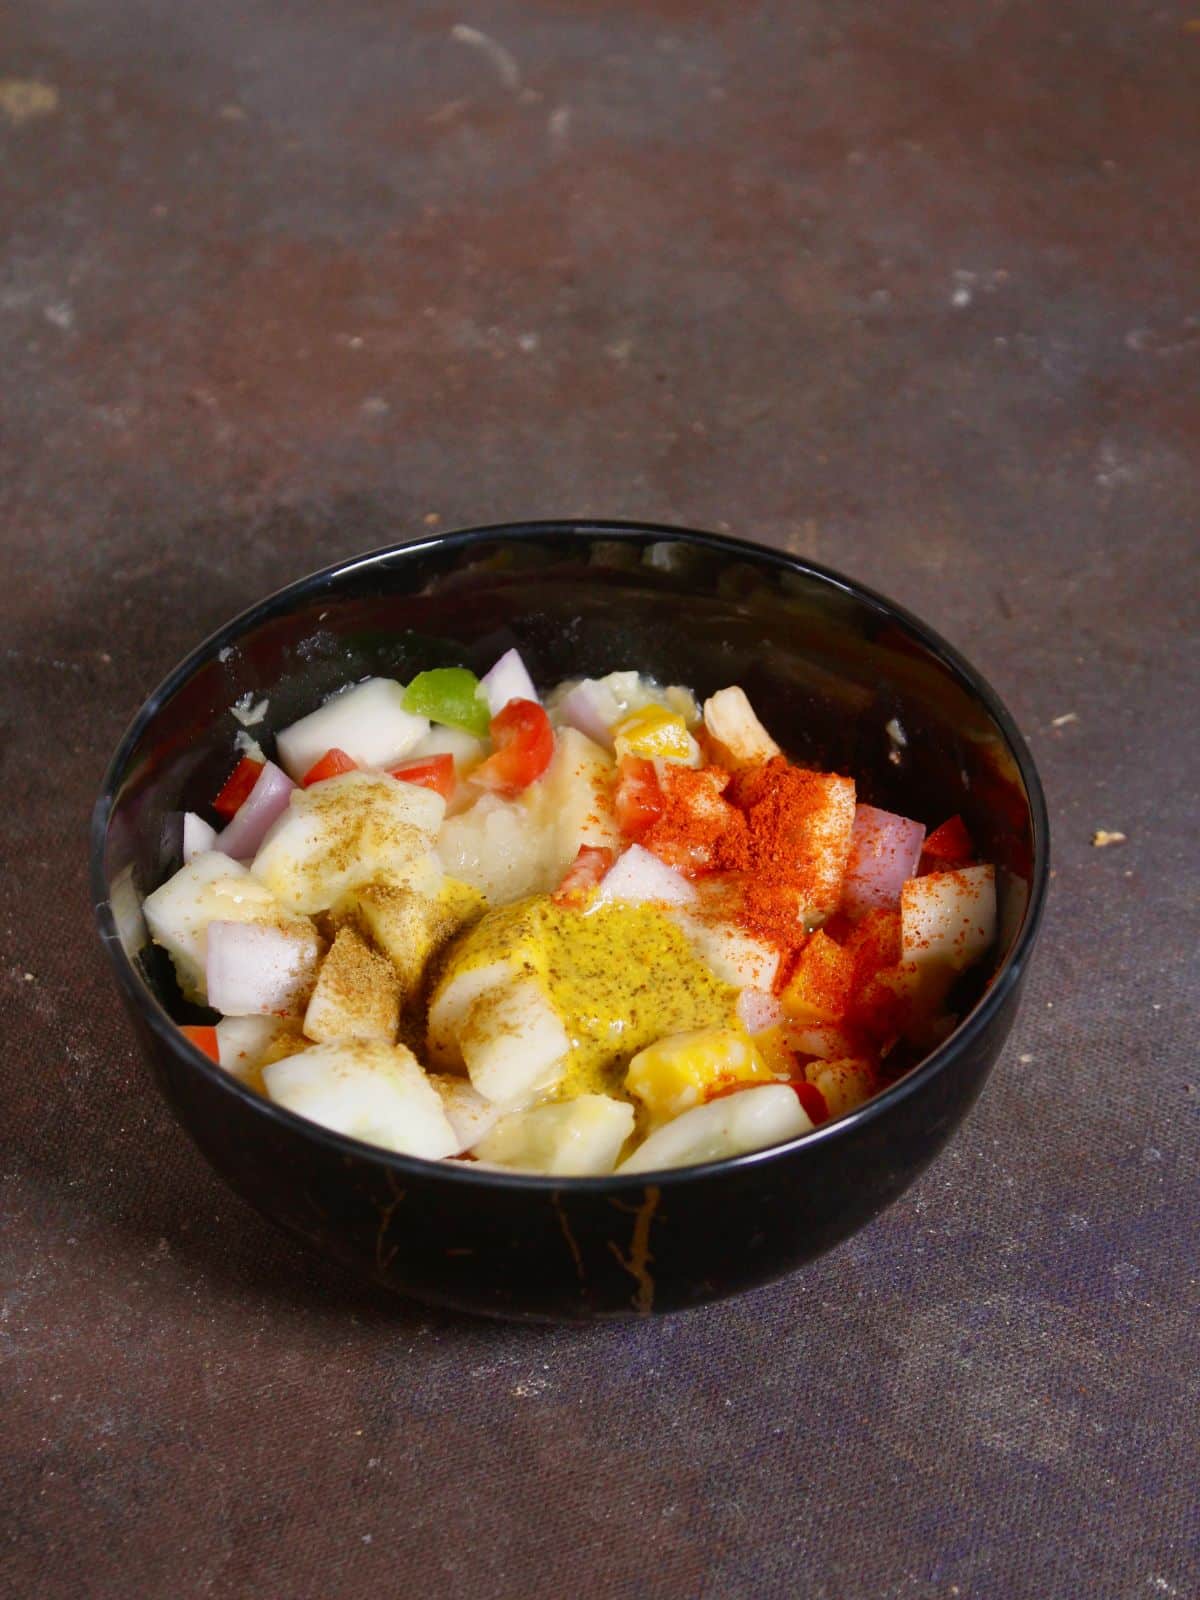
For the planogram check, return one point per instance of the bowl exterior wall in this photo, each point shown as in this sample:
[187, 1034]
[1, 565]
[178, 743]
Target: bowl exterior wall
[573, 1254]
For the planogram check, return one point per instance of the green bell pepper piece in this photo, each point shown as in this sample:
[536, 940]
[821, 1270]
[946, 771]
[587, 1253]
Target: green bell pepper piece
[447, 695]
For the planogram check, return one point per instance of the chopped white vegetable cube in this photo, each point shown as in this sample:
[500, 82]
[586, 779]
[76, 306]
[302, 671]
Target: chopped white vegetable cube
[576, 798]
[367, 1090]
[503, 848]
[737, 958]
[449, 1006]
[255, 969]
[466, 749]
[357, 993]
[198, 837]
[828, 828]
[513, 1042]
[948, 918]
[732, 722]
[570, 1138]
[467, 1112]
[243, 1041]
[345, 831]
[211, 888]
[368, 722]
[730, 1126]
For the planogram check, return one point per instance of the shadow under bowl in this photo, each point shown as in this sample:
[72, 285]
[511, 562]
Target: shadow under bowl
[844, 678]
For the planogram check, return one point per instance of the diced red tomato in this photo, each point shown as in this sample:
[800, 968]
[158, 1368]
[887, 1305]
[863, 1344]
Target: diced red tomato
[433, 772]
[947, 846]
[584, 873]
[812, 1101]
[638, 798]
[237, 786]
[524, 742]
[331, 765]
[204, 1038]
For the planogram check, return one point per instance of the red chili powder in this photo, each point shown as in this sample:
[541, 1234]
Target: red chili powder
[754, 823]
[779, 802]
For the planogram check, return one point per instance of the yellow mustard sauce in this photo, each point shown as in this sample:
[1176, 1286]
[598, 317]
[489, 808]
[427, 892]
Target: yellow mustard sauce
[620, 977]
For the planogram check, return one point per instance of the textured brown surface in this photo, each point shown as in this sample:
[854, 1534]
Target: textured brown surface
[909, 289]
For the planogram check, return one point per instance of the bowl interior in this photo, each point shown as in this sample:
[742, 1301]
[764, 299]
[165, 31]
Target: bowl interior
[842, 679]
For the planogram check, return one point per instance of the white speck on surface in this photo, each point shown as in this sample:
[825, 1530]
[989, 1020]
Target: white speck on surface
[620, 350]
[1061, 722]
[1025, 1060]
[248, 711]
[558, 126]
[446, 113]
[224, 653]
[1104, 837]
[501, 59]
[961, 297]
[1114, 468]
[375, 406]
[530, 1386]
[1145, 341]
[528, 342]
[896, 733]
[23, 100]
[60, 315]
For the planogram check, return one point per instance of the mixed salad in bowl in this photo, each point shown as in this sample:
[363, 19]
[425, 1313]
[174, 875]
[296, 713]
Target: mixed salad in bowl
[605, 928]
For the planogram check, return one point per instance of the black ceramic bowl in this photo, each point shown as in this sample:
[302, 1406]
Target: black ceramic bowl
[828, 665]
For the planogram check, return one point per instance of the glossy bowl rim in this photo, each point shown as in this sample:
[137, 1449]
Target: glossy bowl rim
[280, 600]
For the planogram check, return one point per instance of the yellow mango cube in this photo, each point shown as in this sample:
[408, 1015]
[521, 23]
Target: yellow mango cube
[685, 1069]
[819, 987]
[653, 732]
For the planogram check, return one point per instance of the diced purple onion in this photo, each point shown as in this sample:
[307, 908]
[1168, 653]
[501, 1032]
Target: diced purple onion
[640, 878]
[884, 851]
[508, 680]
[584, 707]
[758, 1010]
[266, 801]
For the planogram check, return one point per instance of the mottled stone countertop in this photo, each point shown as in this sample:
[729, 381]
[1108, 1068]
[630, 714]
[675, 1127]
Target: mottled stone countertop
[909, 289]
